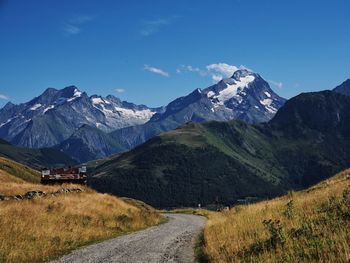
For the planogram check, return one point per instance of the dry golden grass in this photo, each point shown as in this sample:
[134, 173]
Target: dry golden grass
[44, 228]
[10, 185]
[9, 167]
[314, 227]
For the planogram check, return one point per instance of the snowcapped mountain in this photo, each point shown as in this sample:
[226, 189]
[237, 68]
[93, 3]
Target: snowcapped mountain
[93, 127]
[55, 115]
[245, 96]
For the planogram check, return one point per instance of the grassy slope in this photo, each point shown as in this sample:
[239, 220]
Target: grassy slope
[184, 167]
[307, 226]
[203, 162]
[306, 142]
[22, 172]
[41, 229]
[36, 158]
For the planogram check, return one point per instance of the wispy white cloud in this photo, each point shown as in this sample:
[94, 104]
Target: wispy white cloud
[71, 29]
[151, 27]
[120, 90]
[4, 97]
[189, 68]
[216, 71]
[278, 84]
[216, 78]
[74, 24]
[222, 69]
[156, 70]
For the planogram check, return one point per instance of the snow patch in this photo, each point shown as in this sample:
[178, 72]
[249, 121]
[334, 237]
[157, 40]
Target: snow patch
[267, 103]
[77, 94]
[36, 106]
[49, 108]
[6, 122]
[97, 101]
[210, 94]
[142, 114]
[232, 90]
[267, 94]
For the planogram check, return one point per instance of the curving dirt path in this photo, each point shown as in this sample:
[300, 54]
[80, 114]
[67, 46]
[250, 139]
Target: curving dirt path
[169, 242]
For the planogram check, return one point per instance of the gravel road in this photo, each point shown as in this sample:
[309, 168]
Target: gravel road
[169, 242]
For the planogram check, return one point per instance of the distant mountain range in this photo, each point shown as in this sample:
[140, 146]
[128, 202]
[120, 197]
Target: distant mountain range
[245, 96]
[55, 115]
[307, 141]
[93, 127]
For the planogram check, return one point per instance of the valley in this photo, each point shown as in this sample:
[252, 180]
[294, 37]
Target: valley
[174, 131]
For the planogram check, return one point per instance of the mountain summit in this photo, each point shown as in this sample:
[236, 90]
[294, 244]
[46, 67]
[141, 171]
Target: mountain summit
[55, 115]
[244, 96]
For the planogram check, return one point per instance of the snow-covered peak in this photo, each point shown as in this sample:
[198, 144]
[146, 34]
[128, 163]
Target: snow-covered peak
[230, 88]
[97, 100]
[76, 94]
[242, 73]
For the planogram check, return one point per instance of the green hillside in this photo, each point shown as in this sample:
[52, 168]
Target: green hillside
[223, 162]
[13, 170]
[35, 158]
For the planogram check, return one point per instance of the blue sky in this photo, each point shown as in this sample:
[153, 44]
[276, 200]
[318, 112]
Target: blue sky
[154, 51]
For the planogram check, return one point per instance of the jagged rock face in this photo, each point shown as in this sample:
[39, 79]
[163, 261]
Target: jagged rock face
[56, 114]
